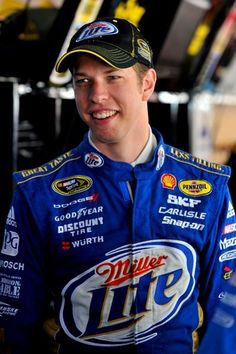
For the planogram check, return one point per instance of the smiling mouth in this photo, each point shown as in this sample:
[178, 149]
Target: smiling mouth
[103, 115]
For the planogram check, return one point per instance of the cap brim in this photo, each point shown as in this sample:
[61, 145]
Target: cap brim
[112, 55]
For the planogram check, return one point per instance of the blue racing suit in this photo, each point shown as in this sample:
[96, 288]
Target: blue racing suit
[129, 254]
[220, 336]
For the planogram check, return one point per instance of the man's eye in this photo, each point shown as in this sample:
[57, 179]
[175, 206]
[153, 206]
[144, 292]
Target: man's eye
[113, 77]
[81, 81]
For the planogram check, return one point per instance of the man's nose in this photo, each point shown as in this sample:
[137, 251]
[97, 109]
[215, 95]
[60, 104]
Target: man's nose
[98, 92]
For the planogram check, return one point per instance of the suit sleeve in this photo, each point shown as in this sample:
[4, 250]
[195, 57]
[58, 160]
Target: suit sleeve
[23, 278]
[218, 259]
[220, 336]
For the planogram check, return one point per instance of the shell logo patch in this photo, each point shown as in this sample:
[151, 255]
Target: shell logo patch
[168, 181]
[195, 187]
[72, 185]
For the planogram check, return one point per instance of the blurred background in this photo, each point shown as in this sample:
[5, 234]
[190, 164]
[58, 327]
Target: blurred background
[194, 104]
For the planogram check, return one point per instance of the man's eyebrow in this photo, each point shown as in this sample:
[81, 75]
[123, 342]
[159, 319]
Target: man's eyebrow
[108, 71]
[80, 73]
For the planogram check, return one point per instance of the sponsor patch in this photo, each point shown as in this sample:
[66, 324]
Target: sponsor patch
[195, 187]
[11, 218]
[227, 272]
[229, 228]
[72, 185]
[6, 309]
[11, 265]
[227, 242]
[227, 256]
[10, 287]
[77, 214]
[130, 291]
[93, 160]
[168, 181]
[47, 167]
[196, 160]
[10, 244]
[231, 211]
[182, 212]
[88, 241]
[182, 223]
[161, 157]
[144, 50]
[182, 201]
[78, 227]
[97, 29]
[91, 199]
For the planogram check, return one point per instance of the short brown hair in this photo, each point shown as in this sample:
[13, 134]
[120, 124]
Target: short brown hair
[140, 70]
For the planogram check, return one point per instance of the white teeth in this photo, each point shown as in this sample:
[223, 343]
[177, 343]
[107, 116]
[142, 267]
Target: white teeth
[103, 115]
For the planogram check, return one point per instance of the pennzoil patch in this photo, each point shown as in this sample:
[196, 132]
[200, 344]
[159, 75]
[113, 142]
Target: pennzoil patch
[195, 187]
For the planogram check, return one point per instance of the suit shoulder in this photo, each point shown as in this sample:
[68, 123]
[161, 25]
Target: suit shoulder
[46, 169]
[195, 162]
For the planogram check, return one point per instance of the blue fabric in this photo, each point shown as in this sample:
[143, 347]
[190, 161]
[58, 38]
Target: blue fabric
[220, 337]
[126, 273]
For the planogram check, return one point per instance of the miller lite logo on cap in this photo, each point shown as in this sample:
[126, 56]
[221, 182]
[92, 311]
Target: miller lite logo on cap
[97, 29]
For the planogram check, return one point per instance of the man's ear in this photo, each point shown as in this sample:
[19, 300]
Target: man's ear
[149, 82]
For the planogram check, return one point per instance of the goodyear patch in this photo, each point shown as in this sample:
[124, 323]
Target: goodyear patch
[72, 185]
[195, 187]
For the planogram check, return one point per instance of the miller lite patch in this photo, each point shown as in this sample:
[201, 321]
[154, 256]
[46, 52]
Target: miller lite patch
[93, 160]
[97, 29]
[127, 296]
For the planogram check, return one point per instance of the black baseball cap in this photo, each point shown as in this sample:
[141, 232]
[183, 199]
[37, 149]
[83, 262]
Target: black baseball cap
[115, 41]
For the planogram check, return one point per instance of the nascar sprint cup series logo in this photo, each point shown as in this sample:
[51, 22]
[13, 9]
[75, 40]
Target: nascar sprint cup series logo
[128, 295]
[72, 185]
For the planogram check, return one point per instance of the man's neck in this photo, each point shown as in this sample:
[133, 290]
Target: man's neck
[148, 150]
[130, 152]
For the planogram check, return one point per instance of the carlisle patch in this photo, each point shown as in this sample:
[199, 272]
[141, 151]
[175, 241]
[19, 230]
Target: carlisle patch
[195, 187]
[72, 185]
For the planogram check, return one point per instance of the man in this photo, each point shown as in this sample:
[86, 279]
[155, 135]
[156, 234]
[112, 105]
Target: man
[131, 238]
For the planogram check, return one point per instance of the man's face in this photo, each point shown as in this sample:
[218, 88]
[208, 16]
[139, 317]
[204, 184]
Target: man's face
[112, 102]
